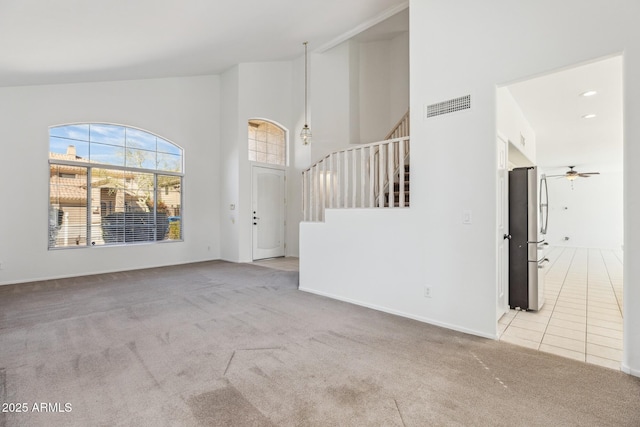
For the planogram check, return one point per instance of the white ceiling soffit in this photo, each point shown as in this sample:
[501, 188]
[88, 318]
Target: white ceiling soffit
[555, 108]
[68, 41]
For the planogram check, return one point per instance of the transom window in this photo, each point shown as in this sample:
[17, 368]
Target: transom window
[112, 184]
[267, 143]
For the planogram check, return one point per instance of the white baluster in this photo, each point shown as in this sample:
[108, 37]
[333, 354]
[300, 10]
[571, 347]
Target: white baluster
[381, 169]
[390, 186]
[316, 201]
[329, 180]
[346, 178]
[354, 178]
[401, 172]
[372, 176]
[304, 196]
[362, 178]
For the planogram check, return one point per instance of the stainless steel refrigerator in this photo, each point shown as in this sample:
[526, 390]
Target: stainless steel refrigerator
[528, 216]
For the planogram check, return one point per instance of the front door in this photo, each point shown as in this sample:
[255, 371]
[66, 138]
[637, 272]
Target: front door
[268, 212]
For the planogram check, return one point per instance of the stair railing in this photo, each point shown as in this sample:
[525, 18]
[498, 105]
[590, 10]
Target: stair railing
[353, 177]
[401, 129]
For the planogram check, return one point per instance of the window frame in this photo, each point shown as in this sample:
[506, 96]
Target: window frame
[90, 165]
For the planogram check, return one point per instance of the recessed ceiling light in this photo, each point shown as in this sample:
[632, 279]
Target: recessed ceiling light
[588, 93]
[588, 116]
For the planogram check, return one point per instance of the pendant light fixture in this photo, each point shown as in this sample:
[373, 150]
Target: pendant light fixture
[305, 134]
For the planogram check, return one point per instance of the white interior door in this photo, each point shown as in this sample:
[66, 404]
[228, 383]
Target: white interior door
[503, 229]
[268, 212]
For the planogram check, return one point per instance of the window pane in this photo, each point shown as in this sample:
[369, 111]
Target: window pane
[169, 206]
[107, 134]
[169, 162]
[261, 147]
[107, 199]
[77, 132]
[67, 206]
[107, 154]
[140, 139]
[123, 202]
[140, 220]
[65, 149]
[167, 147]
[140, 159]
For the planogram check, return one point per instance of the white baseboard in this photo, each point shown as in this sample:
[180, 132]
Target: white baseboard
[402, 314]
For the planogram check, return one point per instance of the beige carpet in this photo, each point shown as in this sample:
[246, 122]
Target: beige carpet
[235, 344]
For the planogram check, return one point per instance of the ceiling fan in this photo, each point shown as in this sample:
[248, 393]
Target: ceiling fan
[572, 174]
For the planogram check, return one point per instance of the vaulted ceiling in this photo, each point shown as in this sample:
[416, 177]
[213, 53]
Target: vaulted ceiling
[66, 41]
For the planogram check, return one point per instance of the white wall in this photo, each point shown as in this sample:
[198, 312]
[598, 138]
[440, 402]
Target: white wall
[230, 132]
[587, 211]
[358, 92]
[384, 86]
[183, 110]
[512, 124]
[459, 48]
[331, 100]
[399, 77]
[375, 94]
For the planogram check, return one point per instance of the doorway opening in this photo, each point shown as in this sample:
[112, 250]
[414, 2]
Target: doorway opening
[571, 120]
[267, 151]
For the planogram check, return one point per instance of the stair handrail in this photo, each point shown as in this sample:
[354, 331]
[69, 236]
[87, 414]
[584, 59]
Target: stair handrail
[352, 177]
[401, 128]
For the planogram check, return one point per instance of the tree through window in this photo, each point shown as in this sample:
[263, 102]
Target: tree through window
[112, 184]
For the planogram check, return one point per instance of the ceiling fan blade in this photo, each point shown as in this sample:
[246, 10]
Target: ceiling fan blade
[555, 176]
[588, 174]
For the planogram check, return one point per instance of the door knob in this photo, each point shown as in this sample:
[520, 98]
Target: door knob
[507, 236]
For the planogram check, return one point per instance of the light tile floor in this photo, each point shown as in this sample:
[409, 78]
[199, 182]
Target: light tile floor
[282, 263]
[582, 314]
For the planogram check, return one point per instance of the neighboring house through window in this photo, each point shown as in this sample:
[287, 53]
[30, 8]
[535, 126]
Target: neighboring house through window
[267, 143]
[112, 184]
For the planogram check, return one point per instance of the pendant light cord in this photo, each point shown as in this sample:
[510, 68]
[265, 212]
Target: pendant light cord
[305, 83]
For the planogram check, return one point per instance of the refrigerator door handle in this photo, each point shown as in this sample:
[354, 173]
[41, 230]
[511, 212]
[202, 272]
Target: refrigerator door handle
[544, 204]
[542, 261]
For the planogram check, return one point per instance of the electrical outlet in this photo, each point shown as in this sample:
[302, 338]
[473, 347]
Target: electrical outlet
[427, 291]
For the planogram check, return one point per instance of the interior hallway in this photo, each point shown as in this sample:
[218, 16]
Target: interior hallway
[582, 314]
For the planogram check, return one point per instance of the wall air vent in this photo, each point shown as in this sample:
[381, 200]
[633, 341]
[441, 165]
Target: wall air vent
[450, 106]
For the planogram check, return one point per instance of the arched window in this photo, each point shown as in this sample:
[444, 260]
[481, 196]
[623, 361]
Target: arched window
[267, 143]
[112, 184]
